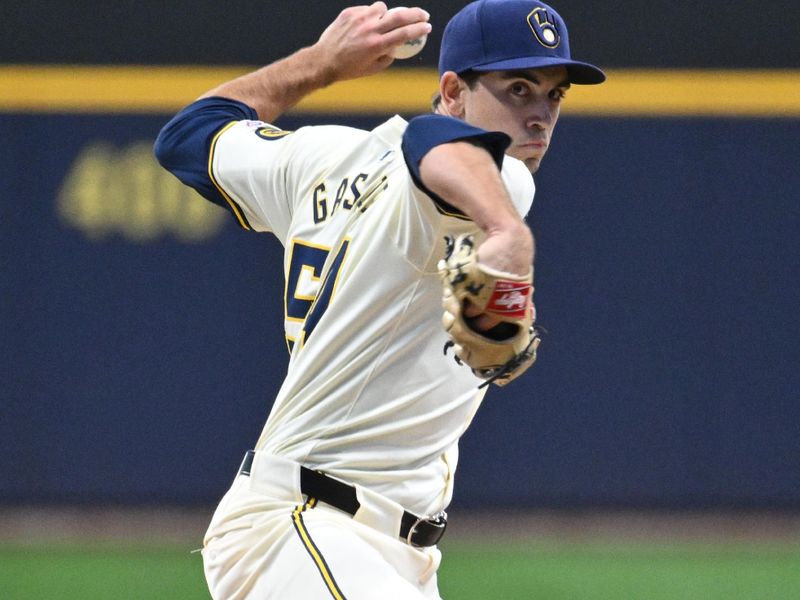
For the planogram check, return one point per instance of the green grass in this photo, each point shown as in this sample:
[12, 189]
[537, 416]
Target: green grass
[469, 572]
[623, 571]
[103, 572]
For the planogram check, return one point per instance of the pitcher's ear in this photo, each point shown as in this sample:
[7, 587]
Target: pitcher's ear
[452, 90]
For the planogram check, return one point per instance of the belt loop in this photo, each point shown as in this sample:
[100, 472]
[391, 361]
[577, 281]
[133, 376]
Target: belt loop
[247, 463]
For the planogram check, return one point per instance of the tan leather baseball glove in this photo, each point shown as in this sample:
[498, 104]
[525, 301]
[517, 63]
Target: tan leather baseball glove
[502, 353]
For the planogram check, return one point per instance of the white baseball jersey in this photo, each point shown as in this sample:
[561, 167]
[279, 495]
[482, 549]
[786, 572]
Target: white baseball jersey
[369, 396]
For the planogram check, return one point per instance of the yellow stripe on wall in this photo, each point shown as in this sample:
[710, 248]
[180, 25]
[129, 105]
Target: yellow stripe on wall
[628, 92]
[745, 93]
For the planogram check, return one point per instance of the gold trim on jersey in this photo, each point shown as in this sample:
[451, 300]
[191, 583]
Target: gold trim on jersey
[312, 277]
[344, 245]
[313, 551]
[290, 259]
[237, 211]
[446, 213]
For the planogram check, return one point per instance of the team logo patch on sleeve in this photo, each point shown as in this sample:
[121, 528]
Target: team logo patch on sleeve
[271, 133]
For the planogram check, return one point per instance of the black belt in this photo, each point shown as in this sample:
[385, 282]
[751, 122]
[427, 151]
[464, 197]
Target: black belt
[417, 531]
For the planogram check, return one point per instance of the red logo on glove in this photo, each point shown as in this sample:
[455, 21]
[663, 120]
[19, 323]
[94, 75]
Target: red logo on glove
[510, 299]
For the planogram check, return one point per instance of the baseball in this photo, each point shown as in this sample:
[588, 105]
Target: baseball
[411, 47]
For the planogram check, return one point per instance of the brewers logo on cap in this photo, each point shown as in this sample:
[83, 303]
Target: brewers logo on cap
[544, 27]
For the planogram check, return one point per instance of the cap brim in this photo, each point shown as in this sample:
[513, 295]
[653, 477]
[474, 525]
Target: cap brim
[580, 73]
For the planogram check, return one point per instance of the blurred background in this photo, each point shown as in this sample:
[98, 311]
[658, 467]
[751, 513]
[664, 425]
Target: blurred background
[657, 439]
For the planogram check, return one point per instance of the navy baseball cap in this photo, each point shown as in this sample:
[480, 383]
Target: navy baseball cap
[500, 35]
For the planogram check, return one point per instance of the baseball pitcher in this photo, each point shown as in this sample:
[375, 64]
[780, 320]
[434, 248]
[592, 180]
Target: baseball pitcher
[408, 275]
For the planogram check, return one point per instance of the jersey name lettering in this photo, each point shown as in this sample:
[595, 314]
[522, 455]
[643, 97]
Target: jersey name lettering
[348, 193]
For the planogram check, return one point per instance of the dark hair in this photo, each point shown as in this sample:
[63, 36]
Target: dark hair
[469, 77]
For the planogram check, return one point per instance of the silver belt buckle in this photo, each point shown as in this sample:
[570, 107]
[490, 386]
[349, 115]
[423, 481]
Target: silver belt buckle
[439, 520]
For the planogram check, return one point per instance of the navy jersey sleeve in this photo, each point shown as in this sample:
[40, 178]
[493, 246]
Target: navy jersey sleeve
[428, 131]
[183, 145]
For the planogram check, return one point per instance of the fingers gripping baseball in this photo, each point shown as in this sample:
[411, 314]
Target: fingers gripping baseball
[361, 39]
[505, 351]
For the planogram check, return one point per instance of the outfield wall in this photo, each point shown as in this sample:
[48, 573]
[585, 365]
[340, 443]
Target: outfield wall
[140, 327]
